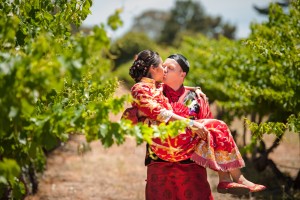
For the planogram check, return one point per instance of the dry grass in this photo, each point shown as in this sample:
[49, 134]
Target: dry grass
[114, 173]
[106, 174]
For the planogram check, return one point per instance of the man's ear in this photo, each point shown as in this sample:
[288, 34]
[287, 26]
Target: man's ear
[183, 74]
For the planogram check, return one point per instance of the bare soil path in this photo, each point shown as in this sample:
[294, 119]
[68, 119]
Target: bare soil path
[117, 173]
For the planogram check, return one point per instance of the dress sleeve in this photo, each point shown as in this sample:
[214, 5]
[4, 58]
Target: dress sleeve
[152, 105]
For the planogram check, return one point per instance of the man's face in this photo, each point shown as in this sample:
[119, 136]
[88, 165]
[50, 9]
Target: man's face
[174, 75]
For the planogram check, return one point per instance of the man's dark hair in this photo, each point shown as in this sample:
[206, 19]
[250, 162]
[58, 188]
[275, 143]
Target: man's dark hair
[182, 61]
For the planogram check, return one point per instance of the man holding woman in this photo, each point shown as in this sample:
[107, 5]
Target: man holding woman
[184, 179]
[172, 174]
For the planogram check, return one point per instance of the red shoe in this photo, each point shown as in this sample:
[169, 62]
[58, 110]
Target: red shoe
[257, 188]
[232, 188]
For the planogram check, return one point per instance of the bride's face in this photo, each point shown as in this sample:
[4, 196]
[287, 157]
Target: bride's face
[158, 72]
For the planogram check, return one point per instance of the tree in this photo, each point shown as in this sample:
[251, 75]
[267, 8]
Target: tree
[265, 10]
[52, 84]
[189, 16]
[125, 48]
[151, 23]
[258, 78]
[186, 18]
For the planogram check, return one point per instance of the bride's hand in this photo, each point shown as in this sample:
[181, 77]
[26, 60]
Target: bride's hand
[200, 130]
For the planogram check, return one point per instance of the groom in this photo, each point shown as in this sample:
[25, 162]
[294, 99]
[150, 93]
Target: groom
[184, 179]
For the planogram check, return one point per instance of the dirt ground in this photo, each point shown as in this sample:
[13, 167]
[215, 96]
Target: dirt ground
[118, 173]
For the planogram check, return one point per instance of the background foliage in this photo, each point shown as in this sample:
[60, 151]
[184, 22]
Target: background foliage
[255, 78]
[52, 84]
[124, 48]
[258, 75]
[155, 29]
[56, 81]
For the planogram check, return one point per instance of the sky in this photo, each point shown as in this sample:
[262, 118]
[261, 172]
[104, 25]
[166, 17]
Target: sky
[236, 12]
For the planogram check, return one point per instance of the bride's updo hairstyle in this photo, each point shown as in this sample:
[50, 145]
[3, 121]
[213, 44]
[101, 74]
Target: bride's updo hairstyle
[141, 65]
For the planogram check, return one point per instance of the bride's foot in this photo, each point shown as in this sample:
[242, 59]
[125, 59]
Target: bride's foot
[246, 182]
[232, 188]
[252, 186]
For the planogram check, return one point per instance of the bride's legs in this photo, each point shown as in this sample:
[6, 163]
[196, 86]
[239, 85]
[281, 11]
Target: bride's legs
[224, 177]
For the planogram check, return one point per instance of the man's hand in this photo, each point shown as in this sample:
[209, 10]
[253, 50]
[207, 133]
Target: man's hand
[200, 94]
